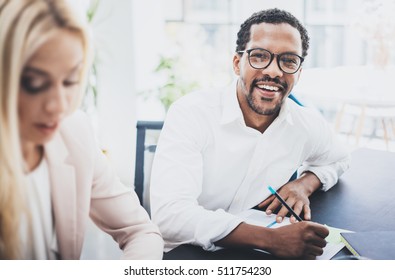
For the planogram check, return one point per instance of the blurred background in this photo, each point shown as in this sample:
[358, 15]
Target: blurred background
[149, 53]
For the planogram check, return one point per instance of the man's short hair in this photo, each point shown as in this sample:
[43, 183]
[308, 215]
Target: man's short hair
[274, 16]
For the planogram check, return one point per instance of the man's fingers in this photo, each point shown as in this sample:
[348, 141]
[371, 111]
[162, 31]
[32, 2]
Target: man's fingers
[298, 207]
[266, 202]
[273, 206]
[307, 212]
[322, 231]
[316, 251]
[284, 211]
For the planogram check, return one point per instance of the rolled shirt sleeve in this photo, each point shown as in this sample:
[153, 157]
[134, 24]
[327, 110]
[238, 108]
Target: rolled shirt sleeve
[328, 159]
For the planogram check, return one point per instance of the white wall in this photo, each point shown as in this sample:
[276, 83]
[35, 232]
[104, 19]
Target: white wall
[113, 33]
[149, 44]
[129, 38]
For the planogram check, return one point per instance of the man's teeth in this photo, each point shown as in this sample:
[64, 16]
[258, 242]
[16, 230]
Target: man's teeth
[267, 87]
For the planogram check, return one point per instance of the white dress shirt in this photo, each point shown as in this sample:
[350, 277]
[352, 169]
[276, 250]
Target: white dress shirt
[38, 230]
[209, 165]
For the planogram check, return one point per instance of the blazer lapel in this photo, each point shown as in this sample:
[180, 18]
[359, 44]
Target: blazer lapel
[63, 192]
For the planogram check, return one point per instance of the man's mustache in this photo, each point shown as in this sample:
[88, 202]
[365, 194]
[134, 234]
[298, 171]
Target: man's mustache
[267, 78]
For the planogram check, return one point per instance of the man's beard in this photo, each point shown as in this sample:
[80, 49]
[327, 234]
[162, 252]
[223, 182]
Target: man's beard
[253, 100]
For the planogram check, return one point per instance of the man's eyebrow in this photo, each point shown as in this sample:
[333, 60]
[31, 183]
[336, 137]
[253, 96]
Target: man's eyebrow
[258, 47]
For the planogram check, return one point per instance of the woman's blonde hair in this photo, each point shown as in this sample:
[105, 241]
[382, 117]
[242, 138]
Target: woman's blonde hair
[24, 26]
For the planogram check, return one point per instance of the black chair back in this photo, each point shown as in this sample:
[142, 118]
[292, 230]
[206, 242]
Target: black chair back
[147, 137]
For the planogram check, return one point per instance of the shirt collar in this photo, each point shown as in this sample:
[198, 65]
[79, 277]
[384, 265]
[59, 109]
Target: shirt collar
[232, 111]
[285, 111]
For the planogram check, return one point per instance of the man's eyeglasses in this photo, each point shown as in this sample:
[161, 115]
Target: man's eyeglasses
[260, 59]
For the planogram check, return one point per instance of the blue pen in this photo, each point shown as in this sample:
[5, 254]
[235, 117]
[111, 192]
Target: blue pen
[271, 224]
[284, 203]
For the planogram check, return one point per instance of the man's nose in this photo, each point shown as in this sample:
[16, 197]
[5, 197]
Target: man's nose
[273, 70]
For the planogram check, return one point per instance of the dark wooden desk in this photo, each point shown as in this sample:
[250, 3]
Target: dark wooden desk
[362, 200]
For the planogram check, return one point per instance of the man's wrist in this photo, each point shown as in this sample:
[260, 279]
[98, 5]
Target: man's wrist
[250, 236]
[310, 181]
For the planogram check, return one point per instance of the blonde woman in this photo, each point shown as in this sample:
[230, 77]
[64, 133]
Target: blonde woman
[52, 175]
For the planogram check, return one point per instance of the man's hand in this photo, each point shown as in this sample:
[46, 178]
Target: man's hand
[303, 240]
[296, 193]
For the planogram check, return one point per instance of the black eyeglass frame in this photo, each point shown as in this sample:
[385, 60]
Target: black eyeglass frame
[272, 55]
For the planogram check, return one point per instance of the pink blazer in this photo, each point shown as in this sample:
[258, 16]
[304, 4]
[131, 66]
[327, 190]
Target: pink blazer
[83, 185]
